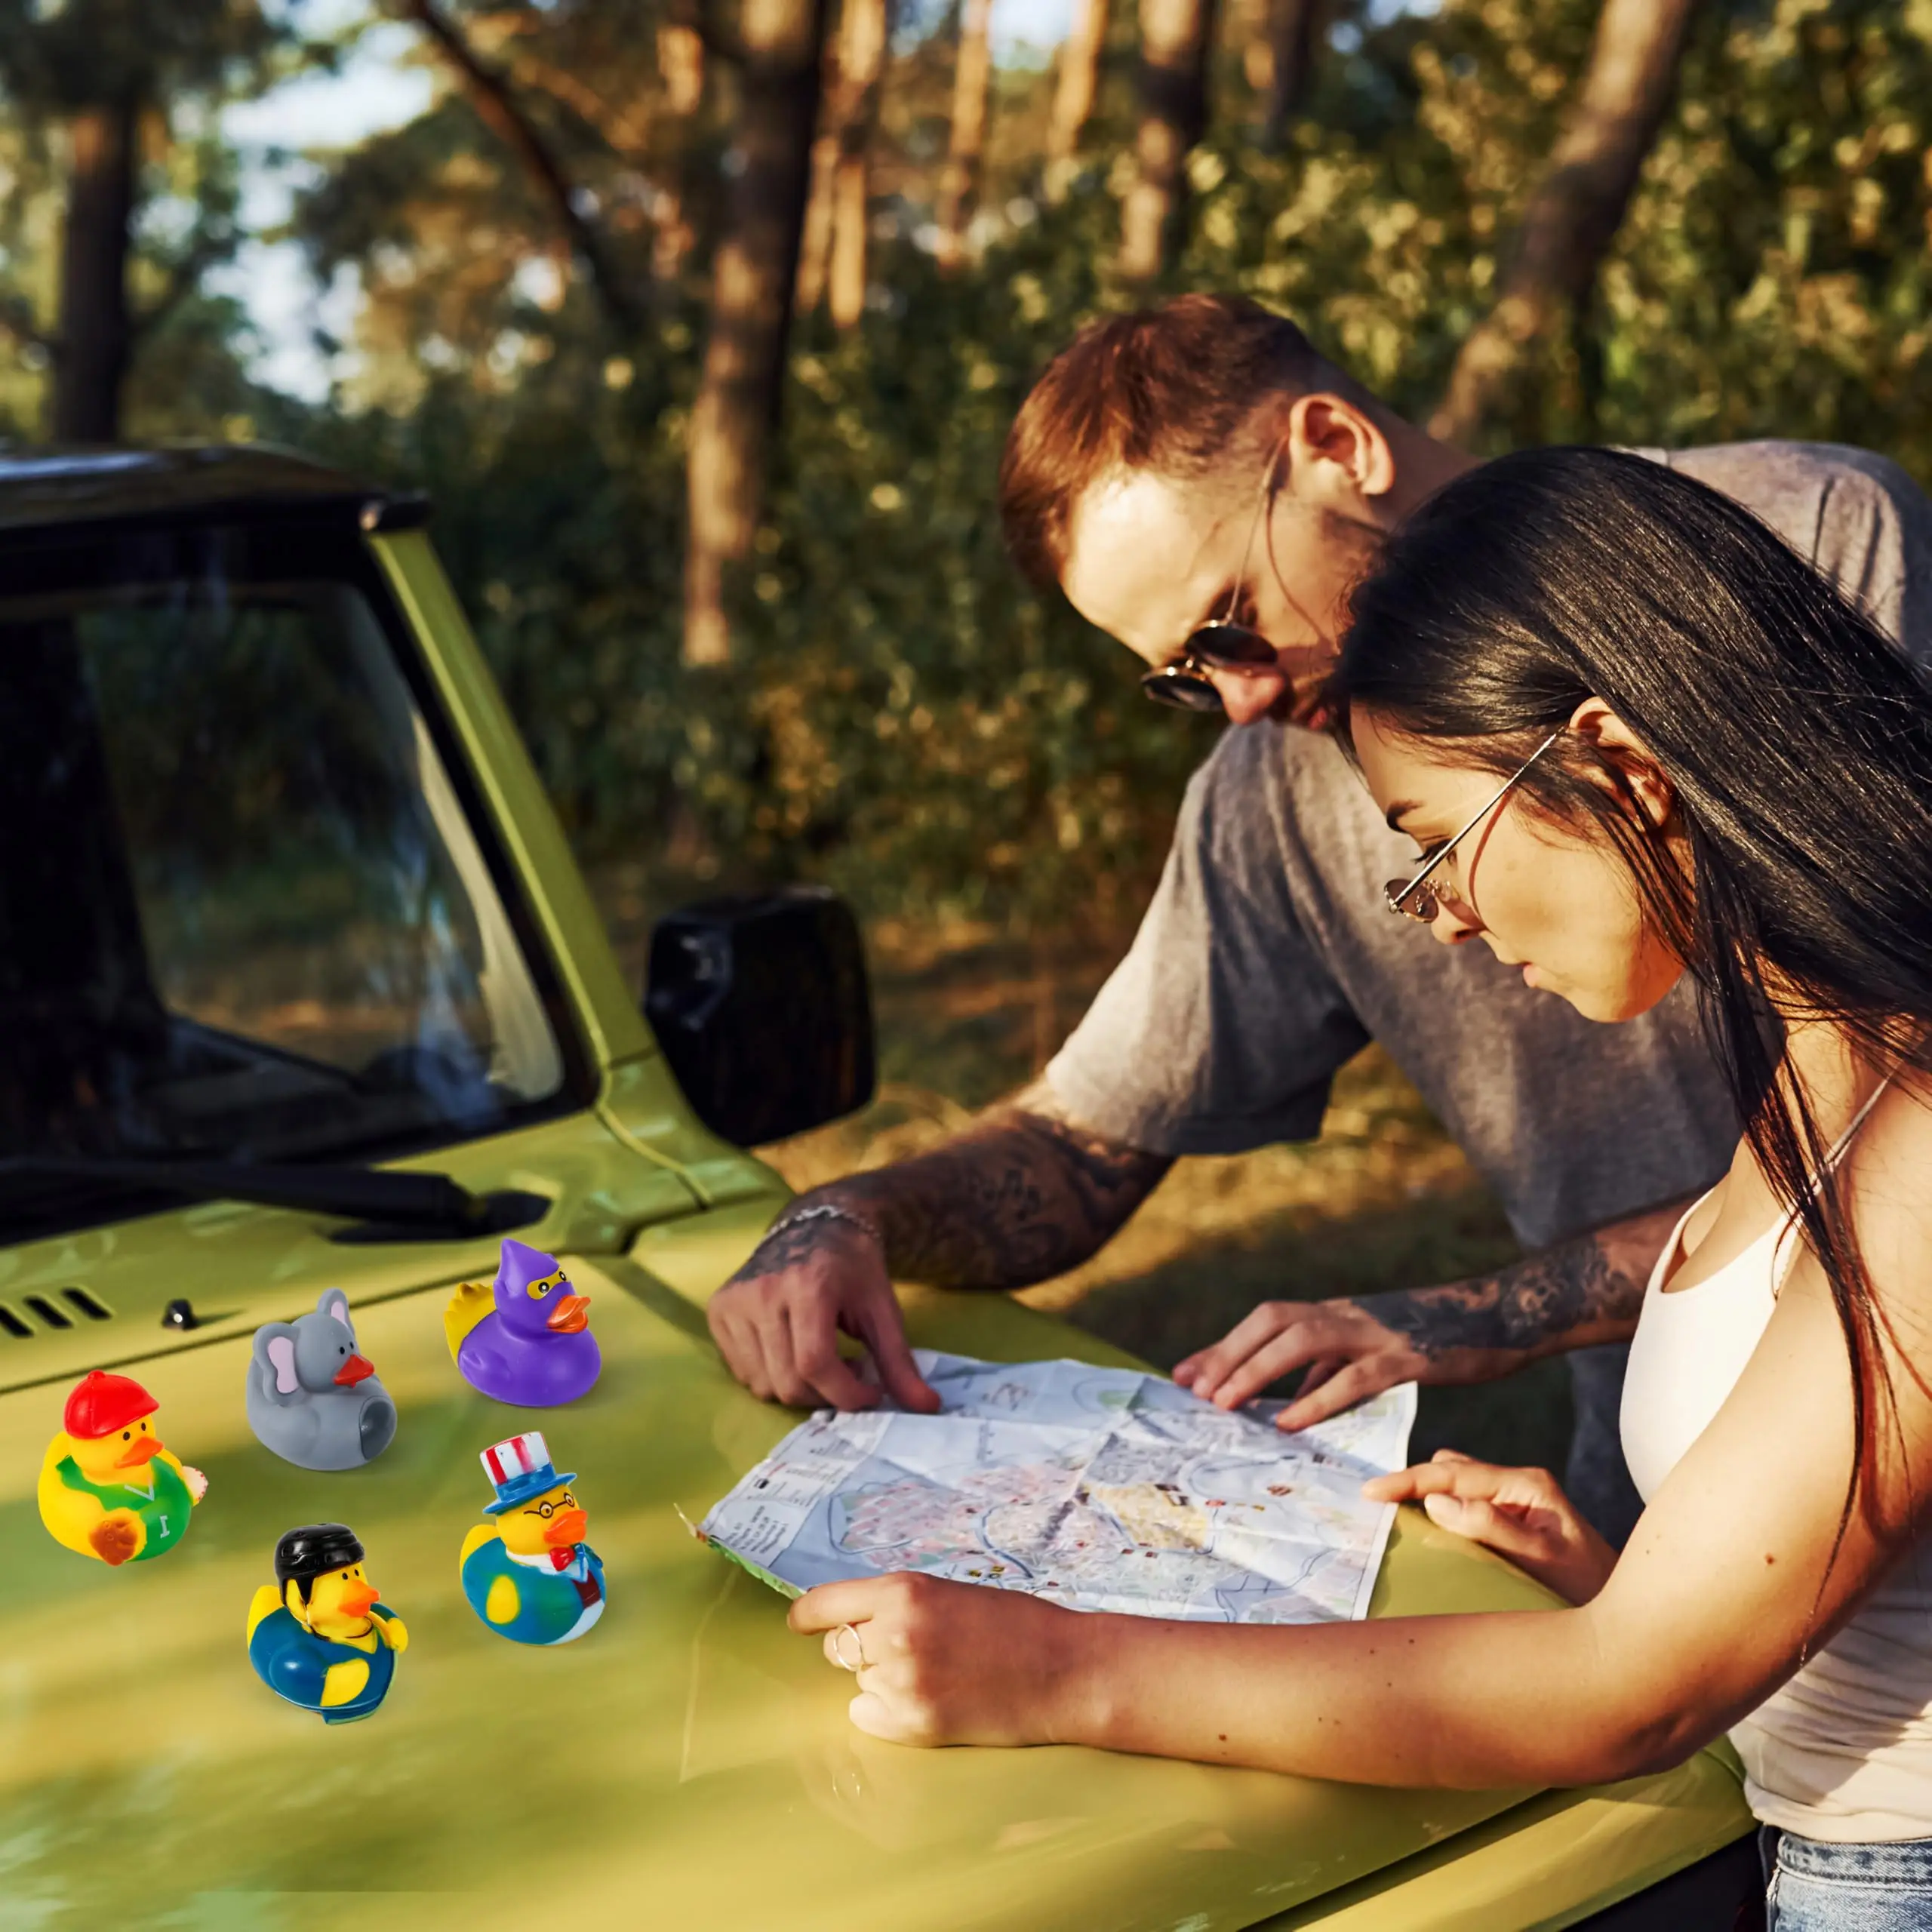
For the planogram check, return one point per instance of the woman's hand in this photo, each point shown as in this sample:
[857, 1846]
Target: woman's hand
[946, 1663]
[1521, 1514]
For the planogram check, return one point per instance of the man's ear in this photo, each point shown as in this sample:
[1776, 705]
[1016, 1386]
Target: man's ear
[1620, 747]
[1337, 454]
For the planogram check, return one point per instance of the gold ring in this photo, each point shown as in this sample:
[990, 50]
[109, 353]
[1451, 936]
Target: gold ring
[838, 1636]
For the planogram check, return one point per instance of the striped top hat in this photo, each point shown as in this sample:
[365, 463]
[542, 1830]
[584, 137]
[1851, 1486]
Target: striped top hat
[520, 1467]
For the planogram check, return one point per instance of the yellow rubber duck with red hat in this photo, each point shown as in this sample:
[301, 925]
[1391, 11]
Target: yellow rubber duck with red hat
[108, 1488]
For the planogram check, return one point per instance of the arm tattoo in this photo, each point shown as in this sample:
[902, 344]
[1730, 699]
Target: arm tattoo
[1023, 1195]
[787, 1244]
[1583, 1291]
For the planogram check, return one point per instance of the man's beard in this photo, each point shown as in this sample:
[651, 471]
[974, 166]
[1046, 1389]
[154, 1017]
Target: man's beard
[1308, 668]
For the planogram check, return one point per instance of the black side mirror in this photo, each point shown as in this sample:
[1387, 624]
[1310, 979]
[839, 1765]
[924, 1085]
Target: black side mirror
[761, 1004]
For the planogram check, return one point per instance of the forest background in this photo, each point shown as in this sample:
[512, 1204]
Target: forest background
[701, 322]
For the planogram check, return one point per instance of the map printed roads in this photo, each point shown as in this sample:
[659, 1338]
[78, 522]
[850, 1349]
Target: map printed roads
[1099, 1489]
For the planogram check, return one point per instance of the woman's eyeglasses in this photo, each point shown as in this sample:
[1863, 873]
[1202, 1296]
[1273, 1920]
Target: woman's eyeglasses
[1415, 898]
[1220, 644]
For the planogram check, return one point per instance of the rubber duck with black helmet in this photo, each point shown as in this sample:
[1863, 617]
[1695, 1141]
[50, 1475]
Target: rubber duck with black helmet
[320, 1636]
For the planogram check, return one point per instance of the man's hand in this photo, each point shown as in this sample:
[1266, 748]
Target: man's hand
[778, 1319]
[1349, 1356]
[1521, 1514]
[1023, 1194]
[1586, 1291]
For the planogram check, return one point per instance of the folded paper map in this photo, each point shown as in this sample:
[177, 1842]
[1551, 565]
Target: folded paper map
[1097, 1488]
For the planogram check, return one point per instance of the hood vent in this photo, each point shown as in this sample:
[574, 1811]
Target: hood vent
[53, 1312]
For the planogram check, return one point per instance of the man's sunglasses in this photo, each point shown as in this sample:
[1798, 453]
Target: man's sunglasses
[1220, 644]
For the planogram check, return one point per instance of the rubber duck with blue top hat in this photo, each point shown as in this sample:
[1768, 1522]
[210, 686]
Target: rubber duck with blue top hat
[530, 1575]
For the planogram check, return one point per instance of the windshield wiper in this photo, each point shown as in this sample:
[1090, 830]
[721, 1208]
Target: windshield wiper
[409, 1206]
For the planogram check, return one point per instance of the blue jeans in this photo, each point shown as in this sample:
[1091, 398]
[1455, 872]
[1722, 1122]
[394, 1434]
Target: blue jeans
[1813, 1886]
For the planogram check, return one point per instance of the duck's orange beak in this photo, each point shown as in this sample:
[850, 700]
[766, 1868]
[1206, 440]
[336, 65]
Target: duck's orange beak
[358, 1597]
[143, 1449]
[570, 1316]
[567, 1527]
[356, 1368]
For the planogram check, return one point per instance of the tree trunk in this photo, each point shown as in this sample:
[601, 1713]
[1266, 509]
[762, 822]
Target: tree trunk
[1074, 87]
[96, 339]
[815, 237]
[1575, 211]
[753, 275]
[498, 109]
[959, 183]
[864, 34]
[681, 66]
[854, 62]
[1176, 37]
[1293, 28]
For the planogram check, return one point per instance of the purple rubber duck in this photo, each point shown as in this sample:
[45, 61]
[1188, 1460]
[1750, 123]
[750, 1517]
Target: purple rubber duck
[526, 1338]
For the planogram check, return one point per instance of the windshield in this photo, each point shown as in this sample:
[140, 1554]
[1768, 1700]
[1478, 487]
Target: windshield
[249, 916]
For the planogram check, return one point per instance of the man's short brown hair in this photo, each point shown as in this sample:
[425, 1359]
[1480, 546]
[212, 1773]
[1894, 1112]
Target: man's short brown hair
[1166, 388]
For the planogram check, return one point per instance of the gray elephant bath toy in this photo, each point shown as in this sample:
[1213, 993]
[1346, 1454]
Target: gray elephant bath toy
[312, 1398]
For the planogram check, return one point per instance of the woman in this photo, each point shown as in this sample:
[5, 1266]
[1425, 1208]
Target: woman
[1635, 736]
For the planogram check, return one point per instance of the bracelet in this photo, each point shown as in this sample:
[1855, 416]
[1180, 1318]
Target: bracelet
[824, 1210]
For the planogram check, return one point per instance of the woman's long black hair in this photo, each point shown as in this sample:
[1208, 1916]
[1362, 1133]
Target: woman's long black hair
[1797, 738]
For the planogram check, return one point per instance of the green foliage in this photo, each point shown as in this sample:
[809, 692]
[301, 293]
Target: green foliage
[906, 719]
[1771, 278]
[175, 63]
[934, 729]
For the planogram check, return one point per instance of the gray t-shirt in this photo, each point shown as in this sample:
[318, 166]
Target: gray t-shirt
[1267, 958]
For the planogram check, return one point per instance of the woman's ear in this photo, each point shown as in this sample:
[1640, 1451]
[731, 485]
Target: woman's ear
[1620, 747]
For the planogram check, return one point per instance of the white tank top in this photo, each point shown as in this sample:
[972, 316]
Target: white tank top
[1843, 1752]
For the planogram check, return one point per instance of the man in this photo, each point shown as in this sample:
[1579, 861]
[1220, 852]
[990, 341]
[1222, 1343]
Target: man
[1201, 485]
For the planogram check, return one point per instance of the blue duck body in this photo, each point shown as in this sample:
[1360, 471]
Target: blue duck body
[294, 1663]
[553, 1607]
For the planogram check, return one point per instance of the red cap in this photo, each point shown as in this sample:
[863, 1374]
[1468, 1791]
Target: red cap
[102, 1403]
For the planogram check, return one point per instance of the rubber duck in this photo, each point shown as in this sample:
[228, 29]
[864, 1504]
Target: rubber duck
[530, 1575]
[312, 1398]
[319, 1635]
[526, 1338]
[108, 1488]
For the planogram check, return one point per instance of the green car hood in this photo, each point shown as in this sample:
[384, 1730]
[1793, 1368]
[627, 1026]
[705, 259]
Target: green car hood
[688, 1762]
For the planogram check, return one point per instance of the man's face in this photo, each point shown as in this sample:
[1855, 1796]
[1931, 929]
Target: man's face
[1150, 558]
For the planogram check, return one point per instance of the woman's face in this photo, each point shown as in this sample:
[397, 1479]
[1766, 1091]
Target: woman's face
[1556, 900]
